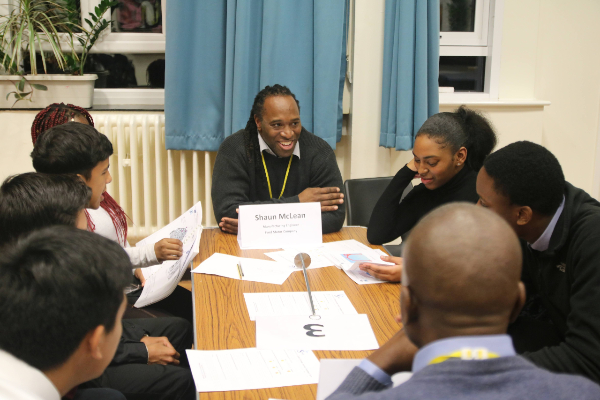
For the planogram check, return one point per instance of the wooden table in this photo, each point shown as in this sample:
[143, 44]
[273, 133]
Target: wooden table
[222, 320]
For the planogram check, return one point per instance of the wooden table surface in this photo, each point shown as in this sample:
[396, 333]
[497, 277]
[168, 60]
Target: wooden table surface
[222, 320]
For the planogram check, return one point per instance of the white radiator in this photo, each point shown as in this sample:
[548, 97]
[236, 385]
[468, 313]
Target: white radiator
[153, 185]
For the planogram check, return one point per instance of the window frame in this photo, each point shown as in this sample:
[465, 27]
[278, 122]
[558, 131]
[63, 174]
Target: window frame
[491, 50]
[479, 37]
[126, 42]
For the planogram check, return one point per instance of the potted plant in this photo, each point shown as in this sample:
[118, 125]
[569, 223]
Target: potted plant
[33, 27]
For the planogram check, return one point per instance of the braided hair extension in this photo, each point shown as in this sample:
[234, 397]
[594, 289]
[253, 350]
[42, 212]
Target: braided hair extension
[257, 110]
[58, 114]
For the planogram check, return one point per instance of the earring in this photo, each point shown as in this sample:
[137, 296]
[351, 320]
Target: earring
[459, 164]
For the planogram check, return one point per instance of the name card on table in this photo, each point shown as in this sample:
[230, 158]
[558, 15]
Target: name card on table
[274, 226]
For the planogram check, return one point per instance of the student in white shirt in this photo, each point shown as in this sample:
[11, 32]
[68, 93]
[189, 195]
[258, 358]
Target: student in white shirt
[78, 148]
[61, 291]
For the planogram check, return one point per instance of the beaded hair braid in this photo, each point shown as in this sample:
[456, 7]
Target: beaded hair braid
[58, 114]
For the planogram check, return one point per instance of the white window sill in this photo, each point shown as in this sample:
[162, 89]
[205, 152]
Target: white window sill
[496, 103]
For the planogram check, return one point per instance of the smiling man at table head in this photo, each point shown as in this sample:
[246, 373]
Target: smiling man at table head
[275, 160]
[460, 289]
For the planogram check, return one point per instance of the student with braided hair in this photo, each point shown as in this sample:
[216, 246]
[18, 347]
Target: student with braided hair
[276, 160]
[58, 114]
[109, 220]
[448, 152]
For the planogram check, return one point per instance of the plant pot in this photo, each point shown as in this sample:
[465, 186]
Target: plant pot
[68, 89]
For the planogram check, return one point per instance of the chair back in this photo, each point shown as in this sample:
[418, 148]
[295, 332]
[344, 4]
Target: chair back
[361, 197]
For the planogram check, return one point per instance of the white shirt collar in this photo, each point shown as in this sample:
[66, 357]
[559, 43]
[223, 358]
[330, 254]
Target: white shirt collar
[544, 241]
[265, 147]
[23, 381]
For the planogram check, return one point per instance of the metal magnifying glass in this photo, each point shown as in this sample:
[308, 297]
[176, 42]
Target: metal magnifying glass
[302, 260]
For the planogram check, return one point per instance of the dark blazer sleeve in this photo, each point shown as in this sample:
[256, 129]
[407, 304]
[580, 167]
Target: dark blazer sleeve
[390, 218]
[355, 384]
[130, 350]
[580, 352]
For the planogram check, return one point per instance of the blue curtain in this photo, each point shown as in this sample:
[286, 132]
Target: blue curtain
[410, 69]
[220, 54]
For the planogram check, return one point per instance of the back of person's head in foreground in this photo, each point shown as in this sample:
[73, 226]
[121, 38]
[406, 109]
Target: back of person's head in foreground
[521, 182]
[34, 200]
[448, 141]
[461, 275]
[75, 148]
[61, 291]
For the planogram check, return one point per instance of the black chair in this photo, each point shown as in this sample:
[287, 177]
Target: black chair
[361, 197]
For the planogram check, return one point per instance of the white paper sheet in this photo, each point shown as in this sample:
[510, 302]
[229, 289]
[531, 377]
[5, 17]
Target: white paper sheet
[331, 332]
[245, 369]
[286, 257]
[346, 253]
[162, 279]
[362, 277]
[254, 270]
[297, 303]
[334, 371]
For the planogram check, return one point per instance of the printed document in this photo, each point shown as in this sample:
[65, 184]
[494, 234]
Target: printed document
[296, 303]
[246, 369]
[162, 279]
[253, 269]
[330, 332]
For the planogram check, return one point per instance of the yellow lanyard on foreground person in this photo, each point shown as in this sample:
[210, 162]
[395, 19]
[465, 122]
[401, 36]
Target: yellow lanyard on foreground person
[269, 181]
[466, 354]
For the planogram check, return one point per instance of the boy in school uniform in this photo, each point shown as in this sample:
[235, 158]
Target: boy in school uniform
[61, 291]
[559, 228]
[150, 360]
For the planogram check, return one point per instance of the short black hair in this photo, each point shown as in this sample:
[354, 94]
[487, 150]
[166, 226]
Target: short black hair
[34, 200]
[462, 128]
[56, 285]
[71, 148]
[529, 175]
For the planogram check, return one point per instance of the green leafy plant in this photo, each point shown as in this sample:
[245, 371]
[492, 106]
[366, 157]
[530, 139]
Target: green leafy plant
[20, 93]
[30, 25]
[96, 24]
[35, 25]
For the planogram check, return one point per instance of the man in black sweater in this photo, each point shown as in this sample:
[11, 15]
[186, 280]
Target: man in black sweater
[559, 228]
[275, 160]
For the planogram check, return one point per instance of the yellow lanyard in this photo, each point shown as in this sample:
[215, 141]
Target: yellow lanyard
[466, 354]
[269, 181]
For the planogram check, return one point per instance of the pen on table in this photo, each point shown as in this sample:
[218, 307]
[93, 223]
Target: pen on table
[240, 271]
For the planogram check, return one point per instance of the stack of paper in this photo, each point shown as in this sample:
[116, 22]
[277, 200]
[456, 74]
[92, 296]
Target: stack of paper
[253, 269]
[246, 369]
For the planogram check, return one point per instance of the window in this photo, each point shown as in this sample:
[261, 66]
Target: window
[470, 35]
[129, 58]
